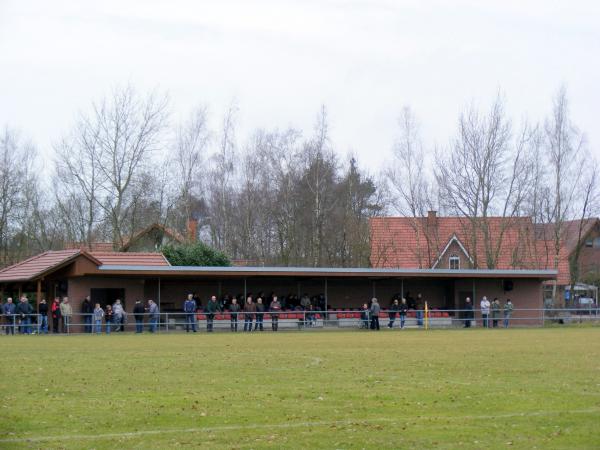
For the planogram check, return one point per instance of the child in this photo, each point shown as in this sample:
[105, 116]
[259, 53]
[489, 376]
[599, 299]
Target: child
[98, 315]
[108, 318]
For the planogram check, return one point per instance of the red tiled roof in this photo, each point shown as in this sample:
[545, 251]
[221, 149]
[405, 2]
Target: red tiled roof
[407, 242]
[131, 258]
[46, 262]
[40, 264]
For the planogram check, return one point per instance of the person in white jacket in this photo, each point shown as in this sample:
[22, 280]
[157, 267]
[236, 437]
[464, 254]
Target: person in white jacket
[485, 311]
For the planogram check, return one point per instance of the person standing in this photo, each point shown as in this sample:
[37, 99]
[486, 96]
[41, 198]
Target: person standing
[109, 318]
[138, 315]
[485, 311]
[55, 311]
[375, 309]
[43, 316]
[189, 308]
[153, 314]
[508, 310]
[275, 309]
[420, 306]
[249, 311]
[212, 307]
[98, 315]
[119, 315]
[9, 310]
[468, 313]
[87, 309]
[260, 314]
[402, 310]
[234, 309]
[66, 312]
[394, 308]
[24, 311]
[495, 312]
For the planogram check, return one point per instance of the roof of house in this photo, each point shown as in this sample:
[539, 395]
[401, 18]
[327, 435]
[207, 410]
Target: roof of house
[39, 265]
[408, 242]
[320, 272]
[174, 234]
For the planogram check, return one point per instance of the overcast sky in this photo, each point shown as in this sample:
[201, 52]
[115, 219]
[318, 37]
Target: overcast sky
[280, 60]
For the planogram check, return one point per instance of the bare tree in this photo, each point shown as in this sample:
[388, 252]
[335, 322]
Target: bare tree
[192, 140]
[564, 143]
[485, 174]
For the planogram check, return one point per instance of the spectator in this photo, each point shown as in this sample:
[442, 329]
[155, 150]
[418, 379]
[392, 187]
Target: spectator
[403, 309]
[109, 318]
[9, 309]
[508, 310]
[66, 313]
[364, 316]
[212, 307]
[275, 309]
[119, 316]
[394, 308]
[260, 314]
[234, 309]
[495, 312]
[153, 314]
[43, 315]
[138, 315]
[189, 308]
[468, 312]
[55, 311]
[375, 314]
[98, 315]
[249, 311]
[419, 306]
[485, 311]
[87, 310]
[24, 311]
[304, 301]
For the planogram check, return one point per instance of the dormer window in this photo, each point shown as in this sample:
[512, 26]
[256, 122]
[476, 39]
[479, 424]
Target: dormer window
[454, 262]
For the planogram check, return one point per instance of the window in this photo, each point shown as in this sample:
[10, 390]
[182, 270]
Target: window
[454, 262]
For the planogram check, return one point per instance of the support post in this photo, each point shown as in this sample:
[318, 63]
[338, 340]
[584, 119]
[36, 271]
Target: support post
[38, 294]
[159, 309]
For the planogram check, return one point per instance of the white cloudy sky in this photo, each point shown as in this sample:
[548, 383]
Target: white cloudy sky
[280, 60]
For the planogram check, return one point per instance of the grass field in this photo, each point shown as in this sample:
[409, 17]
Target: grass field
[516, 388]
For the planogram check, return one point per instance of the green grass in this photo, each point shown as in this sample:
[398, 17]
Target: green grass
[516, 388]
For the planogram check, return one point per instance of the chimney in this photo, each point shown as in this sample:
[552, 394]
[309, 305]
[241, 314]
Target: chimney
[432, 218]
[192, 230]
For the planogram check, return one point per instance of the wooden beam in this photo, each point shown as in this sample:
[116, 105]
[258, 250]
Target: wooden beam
[38, 295]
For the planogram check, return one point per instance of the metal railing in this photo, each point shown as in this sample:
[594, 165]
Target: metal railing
[169, 322]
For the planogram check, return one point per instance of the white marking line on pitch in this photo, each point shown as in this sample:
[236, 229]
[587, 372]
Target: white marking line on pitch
[70, 437]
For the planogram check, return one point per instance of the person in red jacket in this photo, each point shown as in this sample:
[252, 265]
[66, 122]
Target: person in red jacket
[55, 310]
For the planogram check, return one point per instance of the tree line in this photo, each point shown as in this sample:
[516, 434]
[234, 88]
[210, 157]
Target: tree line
[283, 196]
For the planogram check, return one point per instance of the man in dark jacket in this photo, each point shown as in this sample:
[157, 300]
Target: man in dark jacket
[189, 308]
[43, 317]
[234, 309]
[24, 311]
[402, 310]
[468, 312]
[87, 309]
[212, 307]
[249, 311]
[138, 315]
[260, 314]
[394, 308]
[9, 310]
